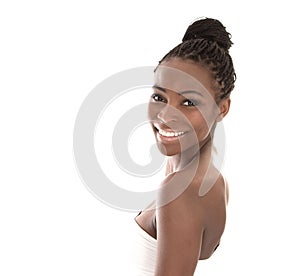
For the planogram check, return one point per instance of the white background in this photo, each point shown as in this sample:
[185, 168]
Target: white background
[53, 53]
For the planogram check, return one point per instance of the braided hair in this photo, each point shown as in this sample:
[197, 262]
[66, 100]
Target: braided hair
[207, 42]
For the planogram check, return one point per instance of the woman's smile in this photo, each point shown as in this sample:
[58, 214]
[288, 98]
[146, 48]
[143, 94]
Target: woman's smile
[167, 134]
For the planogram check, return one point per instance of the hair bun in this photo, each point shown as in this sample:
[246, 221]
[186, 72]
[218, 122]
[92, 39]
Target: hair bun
[209, 29]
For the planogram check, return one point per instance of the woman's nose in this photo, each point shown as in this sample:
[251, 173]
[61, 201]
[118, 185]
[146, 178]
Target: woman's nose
[168, 114]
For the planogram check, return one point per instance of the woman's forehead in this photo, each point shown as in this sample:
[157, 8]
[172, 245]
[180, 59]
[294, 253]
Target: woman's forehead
[177, 80]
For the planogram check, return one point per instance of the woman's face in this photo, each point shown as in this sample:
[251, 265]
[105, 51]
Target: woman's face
[182, 109]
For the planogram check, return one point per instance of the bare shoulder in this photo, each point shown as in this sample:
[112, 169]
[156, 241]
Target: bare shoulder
[178, 192]
[189, 226]
[184, 201]
[184, 188]
[179, 228]
[179, 199]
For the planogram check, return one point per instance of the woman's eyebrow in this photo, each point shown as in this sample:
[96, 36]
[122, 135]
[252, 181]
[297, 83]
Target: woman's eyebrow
[191, 91]
[159, 88]
[181, 93]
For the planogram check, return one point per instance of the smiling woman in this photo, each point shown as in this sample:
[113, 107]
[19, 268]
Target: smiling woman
[191, 94]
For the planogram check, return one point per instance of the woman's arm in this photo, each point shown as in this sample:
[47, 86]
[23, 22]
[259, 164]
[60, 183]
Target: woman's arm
[179, 235]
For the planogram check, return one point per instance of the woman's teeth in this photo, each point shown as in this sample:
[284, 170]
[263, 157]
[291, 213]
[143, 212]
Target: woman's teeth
[170, 133]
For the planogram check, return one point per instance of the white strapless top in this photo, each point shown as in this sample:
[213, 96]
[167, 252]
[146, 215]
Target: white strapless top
[144, 249]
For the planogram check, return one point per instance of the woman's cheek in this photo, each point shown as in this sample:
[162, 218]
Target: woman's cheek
[154, 109]
[206, 116]
[201, 125]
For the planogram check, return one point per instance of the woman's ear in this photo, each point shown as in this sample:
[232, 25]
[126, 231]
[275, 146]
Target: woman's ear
[224, 106]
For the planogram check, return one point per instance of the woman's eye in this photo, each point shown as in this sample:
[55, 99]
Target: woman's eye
[188, 102]
[157, 98]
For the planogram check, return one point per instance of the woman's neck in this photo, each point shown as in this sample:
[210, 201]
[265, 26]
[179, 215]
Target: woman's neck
[180, 161]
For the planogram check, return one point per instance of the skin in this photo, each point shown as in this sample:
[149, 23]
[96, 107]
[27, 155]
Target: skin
[188, 227]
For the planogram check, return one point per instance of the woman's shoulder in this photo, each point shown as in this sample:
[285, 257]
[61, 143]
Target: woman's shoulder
[201, 189]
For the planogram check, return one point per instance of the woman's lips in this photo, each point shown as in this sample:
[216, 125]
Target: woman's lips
[168, 135]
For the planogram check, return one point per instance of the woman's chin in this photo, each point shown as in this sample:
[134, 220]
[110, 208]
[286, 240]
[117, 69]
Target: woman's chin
[168, 150]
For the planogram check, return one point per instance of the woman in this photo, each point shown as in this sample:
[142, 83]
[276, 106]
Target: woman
[191, 94]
